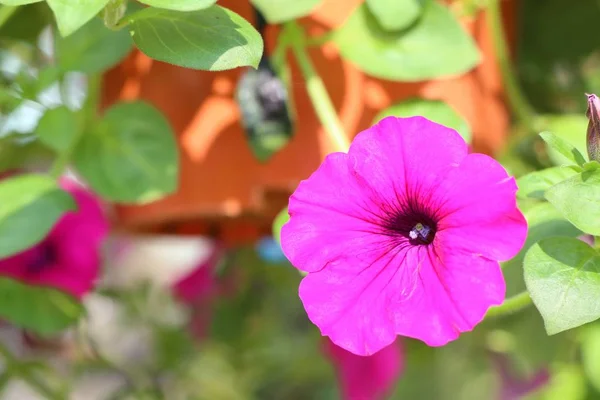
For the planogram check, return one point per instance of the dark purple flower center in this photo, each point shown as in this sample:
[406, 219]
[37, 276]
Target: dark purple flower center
[44, 255]
[417, 227]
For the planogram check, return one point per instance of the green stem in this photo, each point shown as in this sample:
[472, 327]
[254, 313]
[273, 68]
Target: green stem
[510, 305]
[316, 89]
[89, 115]
[6, 12]
[516, 99]
[17, 369]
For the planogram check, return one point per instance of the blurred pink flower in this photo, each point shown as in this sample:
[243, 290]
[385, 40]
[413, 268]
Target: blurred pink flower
[402, 236]
[68, 259]
[366, 377]
[198, 289]
[513, 387]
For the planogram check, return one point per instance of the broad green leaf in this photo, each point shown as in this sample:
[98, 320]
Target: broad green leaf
[543, 221]
[535, 184]
[571, 128]
[18, 2]
[180, 5]
[57, 128]
[564, 148]
[130, 156]
[30, 205]
[577, 199]
[435, 46]
[26, 23]
[212, 39]
[277, 11]
[281, 219]
[394, 15]
[93, 48]
[563, 279]
[435, 110]
[39, 309]
[590, 354]
[73, 14]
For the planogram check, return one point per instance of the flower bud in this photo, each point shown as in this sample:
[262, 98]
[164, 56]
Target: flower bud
[593, 130]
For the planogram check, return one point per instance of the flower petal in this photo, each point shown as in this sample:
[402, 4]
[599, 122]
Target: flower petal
[399, 156]
[366, 378]
[480, 209]
[420, 293]
[330, 217]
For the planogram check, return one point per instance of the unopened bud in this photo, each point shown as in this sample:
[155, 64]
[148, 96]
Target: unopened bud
[593, 130]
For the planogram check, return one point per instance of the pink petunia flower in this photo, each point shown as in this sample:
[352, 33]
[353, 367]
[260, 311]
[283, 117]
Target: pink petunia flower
[366, 377]
[402, 236]
[68, 258]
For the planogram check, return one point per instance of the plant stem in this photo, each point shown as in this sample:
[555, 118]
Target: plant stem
[516, 99]
[316, 89]
[20, 370]
[510, 306]
[6, 12]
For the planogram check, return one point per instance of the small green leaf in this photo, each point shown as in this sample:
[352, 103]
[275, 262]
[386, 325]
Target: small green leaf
[571, 128]
[93, 48]
[564, 148]
[71, 15]
[277, 11]
[395, 15]
[39, 309]
[577, 199]
[180, 5]
[130, 156]
[281, 219]
[57, 128]
[18, 2]
[435, 110]
[30, 205]
[563, 278]
[212, 39]
[535, 184]
[435, 46]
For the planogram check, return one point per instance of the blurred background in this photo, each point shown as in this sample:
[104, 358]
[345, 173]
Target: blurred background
[195, 299]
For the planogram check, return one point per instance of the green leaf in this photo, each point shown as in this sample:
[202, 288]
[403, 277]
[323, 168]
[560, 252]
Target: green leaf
[435, 110]
[590, 354]
[564, 148]
[571, 128]
[93, 48]
[277, 11]
[180, 5]
[18, 2]
[281, 219]
[30, 205]
[535, 184]
[563, 279]
[577, 199]
[39, 309]
[71, 15]
[57, 128]
[212, 39]
[130, 156]
[394, 15]
[435, 46]
[26, 23]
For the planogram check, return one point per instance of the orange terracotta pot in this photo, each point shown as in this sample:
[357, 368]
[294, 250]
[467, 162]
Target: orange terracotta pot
[222, 186]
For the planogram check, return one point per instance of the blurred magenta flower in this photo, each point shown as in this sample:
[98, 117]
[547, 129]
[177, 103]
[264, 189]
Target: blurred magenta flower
[68, 259]
[198, 289]
[402, 236]
[366, 377]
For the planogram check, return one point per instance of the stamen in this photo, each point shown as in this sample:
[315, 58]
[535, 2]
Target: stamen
[421, 233]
